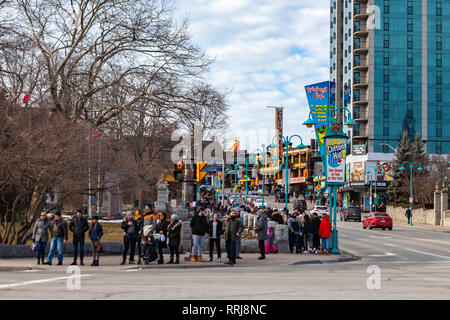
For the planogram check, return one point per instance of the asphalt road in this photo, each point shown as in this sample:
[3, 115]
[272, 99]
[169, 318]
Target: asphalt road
[400, 264]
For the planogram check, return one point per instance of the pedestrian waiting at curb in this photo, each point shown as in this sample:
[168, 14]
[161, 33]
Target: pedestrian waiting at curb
[174, 235]
[270, 247]
[130, 235]
[161, 228]
[40, 236]
[261, 229]
[215, 230]
[232, 230]
[95, 234]
[295, 230]
[324, 234]
[239, 239]
[199, 226]
[316, 226]
[308, 234]
[60, 235]
[78, 225]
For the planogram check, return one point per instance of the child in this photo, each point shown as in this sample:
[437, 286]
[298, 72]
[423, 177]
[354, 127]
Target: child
[269, 244]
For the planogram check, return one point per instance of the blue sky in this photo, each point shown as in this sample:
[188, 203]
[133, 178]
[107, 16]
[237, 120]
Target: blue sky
[265, 52]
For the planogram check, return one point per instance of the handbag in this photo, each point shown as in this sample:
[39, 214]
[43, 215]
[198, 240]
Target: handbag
[33, 246]
[98, 247]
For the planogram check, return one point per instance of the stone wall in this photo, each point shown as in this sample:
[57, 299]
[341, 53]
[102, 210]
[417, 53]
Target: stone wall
[420, 216]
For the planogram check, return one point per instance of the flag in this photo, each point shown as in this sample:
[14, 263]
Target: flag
[82, 116]
[235, 147]
[25, 99]
[98, 133]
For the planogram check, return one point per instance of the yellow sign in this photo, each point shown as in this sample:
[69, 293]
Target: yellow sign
[201, 174]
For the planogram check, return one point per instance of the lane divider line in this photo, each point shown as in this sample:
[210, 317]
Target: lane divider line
[427, 253]
[17, 284]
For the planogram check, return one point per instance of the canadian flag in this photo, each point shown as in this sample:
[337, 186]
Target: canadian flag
[98, 133]
[25, 99]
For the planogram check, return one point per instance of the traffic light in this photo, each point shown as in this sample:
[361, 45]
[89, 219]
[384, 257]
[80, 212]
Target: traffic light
[219, 175]
[178, 172]
[201, 174]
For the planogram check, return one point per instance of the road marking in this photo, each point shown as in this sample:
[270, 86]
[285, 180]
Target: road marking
[363, 239]
[377, 237]
[343, 235]
[427, 253]
[390, 245]
[386, 254]
[17, 284]
[30, 270]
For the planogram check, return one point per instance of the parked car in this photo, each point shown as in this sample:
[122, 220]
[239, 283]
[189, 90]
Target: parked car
[299, 204]
[353, 213]
[258, 203]
[320, 210]
[377, 220]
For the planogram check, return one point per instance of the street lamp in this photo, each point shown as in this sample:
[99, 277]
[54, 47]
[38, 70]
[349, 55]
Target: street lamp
[387, 145]
[411, 166]
[286, 140]
[264, 152]
[375, 170]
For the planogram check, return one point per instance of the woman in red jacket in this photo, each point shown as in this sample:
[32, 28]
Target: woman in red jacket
[324, 233]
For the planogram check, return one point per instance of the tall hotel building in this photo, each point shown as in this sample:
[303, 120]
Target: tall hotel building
[394, 55]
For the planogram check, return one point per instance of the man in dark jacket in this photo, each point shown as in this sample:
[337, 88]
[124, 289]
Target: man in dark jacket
[130, 236]
[316, 226]
[59, 235]
[215, 230]
[233, 229]
[78, 225]
[174, 235]
[309, 234]
[199, 226]
[261, 229]
[40, 236]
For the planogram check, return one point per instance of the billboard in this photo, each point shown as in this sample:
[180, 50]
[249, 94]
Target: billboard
[357, 171]
[335, 148]
[387, 168]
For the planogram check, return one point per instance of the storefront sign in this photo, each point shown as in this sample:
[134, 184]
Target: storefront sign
[335, 148]
[279, 130]
[359, 149]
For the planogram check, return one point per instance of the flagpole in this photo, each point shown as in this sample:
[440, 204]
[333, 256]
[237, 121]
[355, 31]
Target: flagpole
[98, 178]
[89, 175]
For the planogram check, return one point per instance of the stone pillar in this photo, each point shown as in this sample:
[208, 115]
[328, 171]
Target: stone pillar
[162, 195]
[246, 220]
[282, 238]
[444, 202]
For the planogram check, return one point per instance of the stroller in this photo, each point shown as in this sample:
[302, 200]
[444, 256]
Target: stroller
[150, 245]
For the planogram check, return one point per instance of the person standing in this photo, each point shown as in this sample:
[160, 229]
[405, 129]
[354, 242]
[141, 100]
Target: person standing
[261, 229]
[232, 230]
[174, 235]
[138, 216]
[60, 235]
[316, 226]
[324, 234]
[161, 228]
[408, 215]
[215, 230]
[199, 226]
[239, 239]
[40, 236]
[95, 234]
[309, 234]
[78, 225]
[130, 228]
[294, 233]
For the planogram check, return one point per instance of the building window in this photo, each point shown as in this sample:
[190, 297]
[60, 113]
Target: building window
[357, 43]
[439, 94]
[410, 42]
[356, 95]
[410, 25]
[438, 147]
[438, 129]
[386, 93]
[356, 130]
[410, 7]
[409, 111]
[385, 147]
[345, 69]
[357, 26]
[438, 43]
[438, 60]
[439, 8]
[410, 59]
[439, 112]
[386, 7]
[386, 24]
[386, 41]
[356, 114]
[357, 9]
[357, 61]
[410, 76]
[385, 128]
[438, 26]
[386, 76]
[386, 58]
[385, 111]
[357, 79]
[410, 94]
[438, 77]
[349, 66]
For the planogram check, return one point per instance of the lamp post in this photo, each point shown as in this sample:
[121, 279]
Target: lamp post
[264, 152]
[411, 167]
[286, 140]
[333, 131]
[375, 170]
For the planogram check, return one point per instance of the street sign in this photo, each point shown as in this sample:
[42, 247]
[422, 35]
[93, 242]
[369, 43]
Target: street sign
[201, 174]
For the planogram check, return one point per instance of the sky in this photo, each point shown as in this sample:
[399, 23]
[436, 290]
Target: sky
[265, 52]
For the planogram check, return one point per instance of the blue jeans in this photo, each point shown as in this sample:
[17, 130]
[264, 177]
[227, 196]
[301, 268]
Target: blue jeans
[230, 245]
[325, 243]
[78, 242]
[40, 249]
[238, 246]
[198, 243]
[56, 243]
[297, 242]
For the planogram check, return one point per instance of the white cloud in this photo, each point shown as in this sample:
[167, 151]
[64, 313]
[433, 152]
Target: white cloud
[266, 52]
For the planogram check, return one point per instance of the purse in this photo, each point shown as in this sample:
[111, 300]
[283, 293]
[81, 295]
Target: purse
[98, 247]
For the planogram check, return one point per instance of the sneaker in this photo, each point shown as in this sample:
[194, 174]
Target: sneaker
[316, 252]
[219, 259]
[305, 251]
[123, 262]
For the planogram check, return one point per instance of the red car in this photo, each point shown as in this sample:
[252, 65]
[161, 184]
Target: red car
[377, 220]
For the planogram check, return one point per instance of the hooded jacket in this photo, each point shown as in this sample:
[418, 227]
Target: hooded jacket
[325, 227]
[199, 225]
[309, 227]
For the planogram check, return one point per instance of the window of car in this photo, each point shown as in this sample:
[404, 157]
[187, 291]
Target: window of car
[381, 215]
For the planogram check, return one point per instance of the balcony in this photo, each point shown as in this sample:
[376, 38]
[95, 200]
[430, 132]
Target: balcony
[361, 82]
[361, 14]
[360, 31]
[361, 117]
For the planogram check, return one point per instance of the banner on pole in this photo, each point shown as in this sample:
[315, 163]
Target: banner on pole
[335, 148]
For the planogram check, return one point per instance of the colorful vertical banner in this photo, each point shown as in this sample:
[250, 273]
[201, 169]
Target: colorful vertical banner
[279, 131]
[318, 98]
[335, 154]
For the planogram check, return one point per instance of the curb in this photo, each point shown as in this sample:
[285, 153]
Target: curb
[347, 259]
[180, 266]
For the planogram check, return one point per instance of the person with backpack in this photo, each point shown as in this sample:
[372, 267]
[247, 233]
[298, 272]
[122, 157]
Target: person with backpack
[95, 234]
[295, 227]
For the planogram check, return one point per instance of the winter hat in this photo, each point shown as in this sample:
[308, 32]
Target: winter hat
[95, 218]
[176, 217]
[80, 211]
[58, 213]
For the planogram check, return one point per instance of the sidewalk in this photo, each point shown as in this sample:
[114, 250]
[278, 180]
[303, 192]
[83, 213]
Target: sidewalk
[109, 263]
[426, 227]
